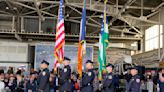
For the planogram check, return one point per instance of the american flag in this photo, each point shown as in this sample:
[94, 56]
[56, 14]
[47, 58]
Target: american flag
[60, 37]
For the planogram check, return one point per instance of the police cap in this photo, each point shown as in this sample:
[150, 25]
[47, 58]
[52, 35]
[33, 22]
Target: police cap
[44, 62]
[110, 65]
[134, 67]
[18, 72]
[89, 61]
[67, 59]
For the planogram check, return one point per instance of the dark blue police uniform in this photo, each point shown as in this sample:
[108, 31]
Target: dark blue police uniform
[134, 83]
[43, 79]
[65, 78]
[87, 80]
[109, 81]
[160, 85]
[31, 85]
[19, 83]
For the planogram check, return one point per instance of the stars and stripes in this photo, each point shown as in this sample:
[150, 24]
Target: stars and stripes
[60, 37]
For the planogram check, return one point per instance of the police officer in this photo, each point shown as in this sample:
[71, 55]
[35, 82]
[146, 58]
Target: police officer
[31, 83]
[65, 76]
[108, 82]
[19, 82]
[88, 78]
[43, 78]
[160, 81]
[135, 82]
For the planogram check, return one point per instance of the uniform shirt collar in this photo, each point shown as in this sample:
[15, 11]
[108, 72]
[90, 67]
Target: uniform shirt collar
[110, 73]
[89, 70]
[45, 69]
[66, 65]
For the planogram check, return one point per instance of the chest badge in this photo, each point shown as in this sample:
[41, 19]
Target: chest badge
[138, 80]
[65, 69]
[109, 77]
[43, 73]
[89, 73]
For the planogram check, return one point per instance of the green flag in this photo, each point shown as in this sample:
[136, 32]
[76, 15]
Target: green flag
[103, 44]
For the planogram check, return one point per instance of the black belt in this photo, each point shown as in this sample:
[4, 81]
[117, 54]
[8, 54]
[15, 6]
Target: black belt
[89, 84]
[130, 90]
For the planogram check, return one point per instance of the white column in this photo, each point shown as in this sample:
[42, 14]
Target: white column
[142, 8]
[163, 43]
[142, 45]
[40, 24]
[162, 56]
[142, 31]
[162, 22]
[22, 24]
[163, 36]
[142, 42]
[116, 10]
[13, 24]
[159, 40]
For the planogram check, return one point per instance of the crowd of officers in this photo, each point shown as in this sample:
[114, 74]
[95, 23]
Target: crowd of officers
[109, 83]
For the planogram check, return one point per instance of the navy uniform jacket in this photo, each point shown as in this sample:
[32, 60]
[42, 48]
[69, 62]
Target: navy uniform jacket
[12, 85]
[65, 79]
[43, 80]
[19, 86]
[108, 82]
[87, 81]
[134, 84]
[31, 86]
[161, 86]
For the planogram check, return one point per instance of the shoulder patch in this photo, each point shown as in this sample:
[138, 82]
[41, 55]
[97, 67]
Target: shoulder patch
[65, 69]
[29, 90]
[44, 73]
[132, 79]
[138, 80]
[109, 77]
[10, 84]
[89, 73]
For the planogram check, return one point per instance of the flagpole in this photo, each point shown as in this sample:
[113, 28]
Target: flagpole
[55, 68]
[59, 47]
[105, 13]
[105, 1]
[81, 45]
[58, 69]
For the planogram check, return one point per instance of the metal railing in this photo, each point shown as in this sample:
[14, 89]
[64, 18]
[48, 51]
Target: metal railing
[10, 31]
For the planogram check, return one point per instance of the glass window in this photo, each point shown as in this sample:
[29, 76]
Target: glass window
[152, 37]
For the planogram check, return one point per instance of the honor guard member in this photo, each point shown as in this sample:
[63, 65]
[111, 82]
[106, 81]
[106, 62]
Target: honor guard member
[43, 78]
[88, 78]
[135, 81]
[65, 76]
[108, 82]
[31, 83]
[160, 81]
